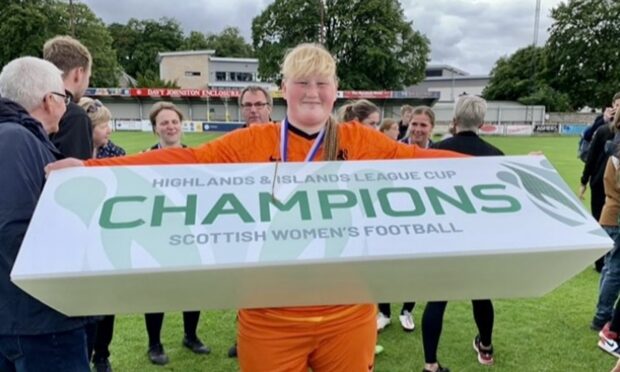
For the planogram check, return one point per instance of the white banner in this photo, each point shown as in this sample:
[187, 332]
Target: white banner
[265, 235]
[519, 130]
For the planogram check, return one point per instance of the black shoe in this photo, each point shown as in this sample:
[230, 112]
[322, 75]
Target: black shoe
[157, 355]
[439, 369]
[232, 352]
[102, 365]
[196, 346]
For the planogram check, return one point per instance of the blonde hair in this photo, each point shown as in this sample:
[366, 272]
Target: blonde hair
[358, 110]
[96, 111]
[469, 112]
[425, 110]
[405, 109]
[67, 53]
[309, 59]
[386, 124]
[421, 110]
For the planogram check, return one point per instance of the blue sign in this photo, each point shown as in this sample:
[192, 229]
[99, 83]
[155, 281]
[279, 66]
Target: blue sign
[221, 126]
[572, 129]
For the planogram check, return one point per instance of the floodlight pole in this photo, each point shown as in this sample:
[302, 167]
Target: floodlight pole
[71, 18]
[536, 23]
[322, 25]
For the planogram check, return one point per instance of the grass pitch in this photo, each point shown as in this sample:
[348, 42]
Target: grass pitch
[543, 334]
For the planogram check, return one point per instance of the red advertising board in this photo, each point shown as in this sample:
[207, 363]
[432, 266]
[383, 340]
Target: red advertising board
[183, 93]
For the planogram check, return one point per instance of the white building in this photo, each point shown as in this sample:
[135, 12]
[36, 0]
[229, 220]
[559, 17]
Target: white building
[450, 82]
[200, 69]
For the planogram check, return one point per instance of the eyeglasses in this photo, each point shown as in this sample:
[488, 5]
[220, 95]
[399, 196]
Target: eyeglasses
[93, 107]
[65, 97]
[258, 105]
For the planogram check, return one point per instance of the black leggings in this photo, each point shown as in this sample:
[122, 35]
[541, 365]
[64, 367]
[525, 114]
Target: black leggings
[154, 323]
[385, 309]
[103, 337]
[432, 323]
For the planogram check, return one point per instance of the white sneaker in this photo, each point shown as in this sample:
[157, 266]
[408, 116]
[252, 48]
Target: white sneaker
[382, 321]
[406, 321]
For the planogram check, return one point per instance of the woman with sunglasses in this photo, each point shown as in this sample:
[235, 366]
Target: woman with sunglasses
[100, 117]
[323, 338]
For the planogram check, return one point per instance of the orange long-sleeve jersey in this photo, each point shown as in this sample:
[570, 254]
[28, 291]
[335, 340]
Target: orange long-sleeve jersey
[261, 143]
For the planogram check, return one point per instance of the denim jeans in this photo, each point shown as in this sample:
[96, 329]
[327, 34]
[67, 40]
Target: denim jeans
[54, 352]
[609, 286]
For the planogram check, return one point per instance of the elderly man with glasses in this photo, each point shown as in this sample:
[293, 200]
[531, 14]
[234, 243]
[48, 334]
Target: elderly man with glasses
[33, 336]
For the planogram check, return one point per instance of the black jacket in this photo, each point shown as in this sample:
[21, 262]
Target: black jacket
[468, 143]
[24, 151]
[74, 138]
[594, 168]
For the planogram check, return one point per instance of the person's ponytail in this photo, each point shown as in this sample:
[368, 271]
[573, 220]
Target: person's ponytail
[330, 146]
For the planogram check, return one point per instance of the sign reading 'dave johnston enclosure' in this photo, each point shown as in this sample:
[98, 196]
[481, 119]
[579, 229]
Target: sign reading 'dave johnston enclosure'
[105, 240]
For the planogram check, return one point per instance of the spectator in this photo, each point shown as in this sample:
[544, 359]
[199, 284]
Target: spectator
[329, 337]
[389, 127]
[406, 112]
[75, 137]
[422, 121]
[361, 110]
[594, 168]
[610, 275]
[468, 117]
[256, 104]
[100, 116]
[420, 127]
[33, 336]
[110, 150]
[166, 120]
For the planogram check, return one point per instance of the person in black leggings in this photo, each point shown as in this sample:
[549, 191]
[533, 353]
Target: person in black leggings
[166, 120]
[468, 117]
[154, 322]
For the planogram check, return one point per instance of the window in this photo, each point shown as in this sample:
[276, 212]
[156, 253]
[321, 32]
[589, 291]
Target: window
[433, 73]
[220, 76]
[192, 73]
[241, 76]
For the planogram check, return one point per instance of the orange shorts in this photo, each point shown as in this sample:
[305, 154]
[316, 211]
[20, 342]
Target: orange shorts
[326, 338]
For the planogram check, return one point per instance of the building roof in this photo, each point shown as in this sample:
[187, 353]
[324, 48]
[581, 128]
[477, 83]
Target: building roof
[447, 67]
[232, 59]
[457, 77]
[181, 53]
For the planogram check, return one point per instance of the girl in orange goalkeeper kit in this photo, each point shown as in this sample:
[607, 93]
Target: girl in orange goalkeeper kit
[323, 338]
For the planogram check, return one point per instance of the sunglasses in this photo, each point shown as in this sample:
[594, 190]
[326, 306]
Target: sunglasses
[93, 107]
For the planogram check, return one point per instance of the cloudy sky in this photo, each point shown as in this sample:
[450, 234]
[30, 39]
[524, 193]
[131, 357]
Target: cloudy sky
[467, 34]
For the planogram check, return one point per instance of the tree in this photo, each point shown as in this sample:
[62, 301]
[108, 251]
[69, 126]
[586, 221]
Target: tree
[139, 41]
[92, 32]
[522, 77]
[28, 24]
[196, 41]
[376, 48]
[583, 56]
[152, 80]
[228, 43]
[515, 76]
